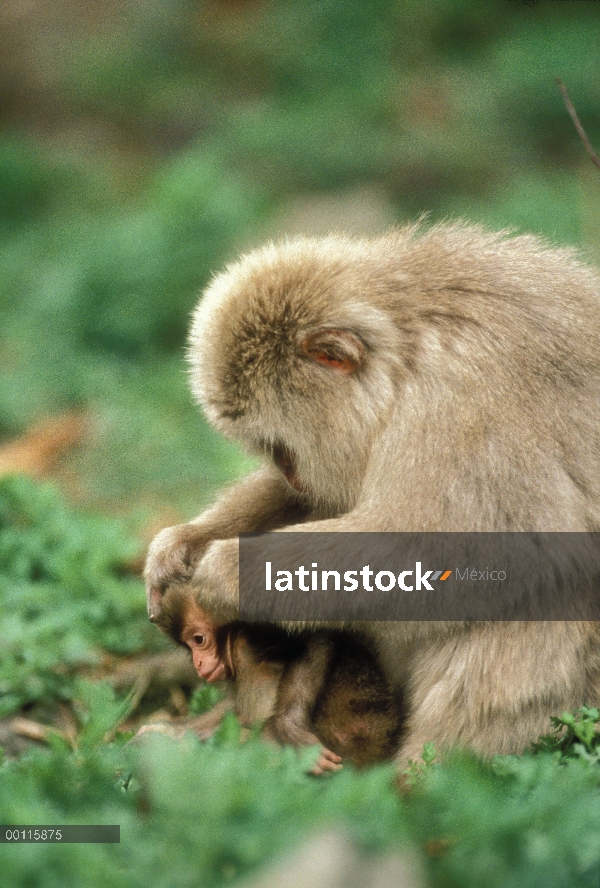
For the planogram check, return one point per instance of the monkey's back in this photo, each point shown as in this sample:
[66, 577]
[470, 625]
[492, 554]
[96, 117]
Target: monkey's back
[357, 713]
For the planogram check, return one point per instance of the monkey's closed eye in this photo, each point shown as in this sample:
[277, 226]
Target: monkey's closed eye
[335, 348]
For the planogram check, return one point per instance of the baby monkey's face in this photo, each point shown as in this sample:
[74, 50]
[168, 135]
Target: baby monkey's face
[199, 634]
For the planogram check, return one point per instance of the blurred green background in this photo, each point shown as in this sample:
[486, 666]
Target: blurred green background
[144, 143]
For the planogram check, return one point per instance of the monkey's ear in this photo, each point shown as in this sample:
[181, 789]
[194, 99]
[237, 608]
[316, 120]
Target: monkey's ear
[335, 348]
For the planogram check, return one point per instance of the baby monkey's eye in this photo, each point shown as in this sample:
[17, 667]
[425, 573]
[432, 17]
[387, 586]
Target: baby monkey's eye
[199, 639]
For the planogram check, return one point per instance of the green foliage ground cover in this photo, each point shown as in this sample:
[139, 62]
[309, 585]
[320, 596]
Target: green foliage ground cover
[195, 814]
[65, 596]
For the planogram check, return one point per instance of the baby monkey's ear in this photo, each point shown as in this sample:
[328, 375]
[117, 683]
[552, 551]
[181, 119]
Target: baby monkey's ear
[335, 348]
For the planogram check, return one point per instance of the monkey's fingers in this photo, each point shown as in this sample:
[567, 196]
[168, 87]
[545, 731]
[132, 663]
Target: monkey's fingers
[172, 557]
[328, 761]
[159, 728]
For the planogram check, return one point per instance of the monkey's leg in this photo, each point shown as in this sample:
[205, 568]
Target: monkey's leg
[494, 686]
[299, 688]
[204, 726]
[262, 501]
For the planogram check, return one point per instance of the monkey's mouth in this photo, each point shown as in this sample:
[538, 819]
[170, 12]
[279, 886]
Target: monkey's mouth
[219, 673]
[285, 461]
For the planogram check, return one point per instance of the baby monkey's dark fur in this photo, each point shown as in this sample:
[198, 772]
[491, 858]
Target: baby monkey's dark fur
[312, 687]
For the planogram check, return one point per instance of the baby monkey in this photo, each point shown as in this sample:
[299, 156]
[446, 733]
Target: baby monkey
[322, 687]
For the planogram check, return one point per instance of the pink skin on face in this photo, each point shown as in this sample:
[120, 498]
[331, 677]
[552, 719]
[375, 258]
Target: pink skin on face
[199, 636]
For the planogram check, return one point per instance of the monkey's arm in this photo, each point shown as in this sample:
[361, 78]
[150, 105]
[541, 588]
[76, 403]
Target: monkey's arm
[299, 688]
[291, 721]
[262, 501]
[215, 581]
[204, 726]
[284, 701]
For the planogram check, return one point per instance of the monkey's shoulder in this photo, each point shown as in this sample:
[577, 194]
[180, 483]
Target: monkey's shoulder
[265, 643]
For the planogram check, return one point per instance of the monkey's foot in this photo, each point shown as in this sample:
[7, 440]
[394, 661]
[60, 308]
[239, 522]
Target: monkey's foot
[327, 761]
[170, 730]
[178, 730]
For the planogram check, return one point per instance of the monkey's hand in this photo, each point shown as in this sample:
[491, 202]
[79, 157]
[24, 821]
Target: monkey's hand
[282, 730]
[216, 580]
[261, 501]
[172, 558]
[328, 761]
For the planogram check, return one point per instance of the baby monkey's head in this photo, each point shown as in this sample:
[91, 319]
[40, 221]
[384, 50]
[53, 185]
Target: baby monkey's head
[188, 624]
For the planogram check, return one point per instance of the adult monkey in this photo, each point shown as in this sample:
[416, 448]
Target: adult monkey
[440, 380]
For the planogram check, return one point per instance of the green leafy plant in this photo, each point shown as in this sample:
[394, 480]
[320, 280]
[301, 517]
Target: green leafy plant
[66, 597]
[575, 735]
[204, 698]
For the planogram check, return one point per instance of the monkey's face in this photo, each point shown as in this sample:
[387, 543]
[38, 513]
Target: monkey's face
[199, 635]
[289, 357]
